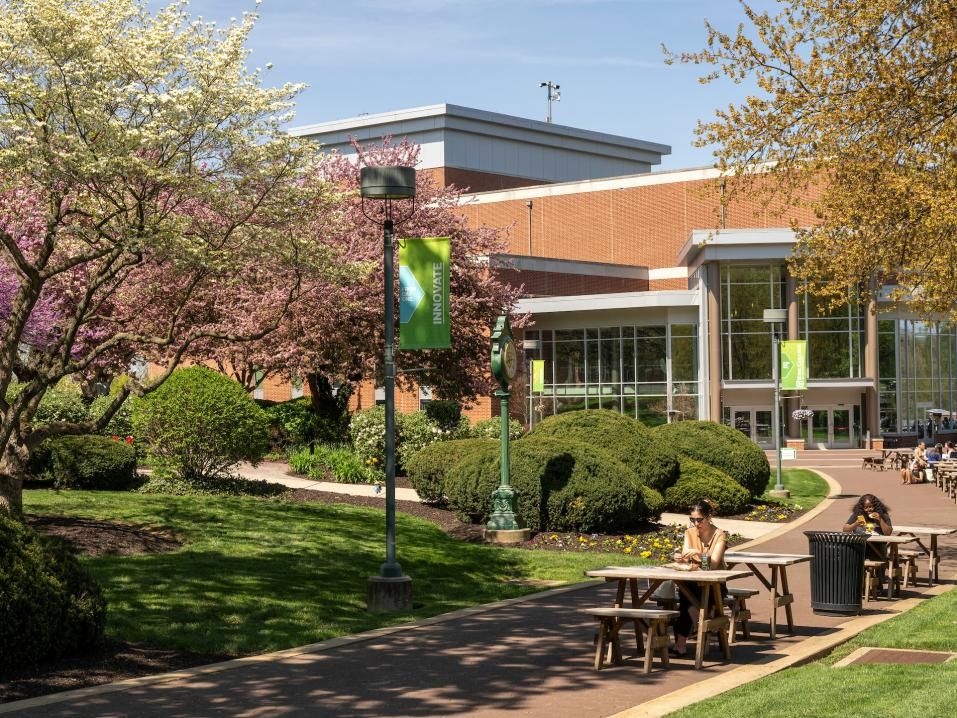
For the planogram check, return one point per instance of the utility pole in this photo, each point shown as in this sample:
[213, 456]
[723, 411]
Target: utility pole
[553, 96]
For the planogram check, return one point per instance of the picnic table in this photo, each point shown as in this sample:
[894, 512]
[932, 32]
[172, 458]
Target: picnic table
[931, 533]
[710, 608]
[778, 564]
[892, 544]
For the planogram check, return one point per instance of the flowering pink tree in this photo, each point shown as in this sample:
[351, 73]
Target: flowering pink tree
[332, 339]
[149, 203]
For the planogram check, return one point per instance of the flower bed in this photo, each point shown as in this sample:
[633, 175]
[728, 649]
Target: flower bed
[657, 545]
[773, 513]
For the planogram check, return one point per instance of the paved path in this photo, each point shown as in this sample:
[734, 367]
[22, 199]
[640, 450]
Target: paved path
[529, 658]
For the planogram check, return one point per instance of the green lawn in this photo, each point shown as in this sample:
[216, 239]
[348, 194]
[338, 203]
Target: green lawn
[820, 691]
[806, 487]
[257, 576]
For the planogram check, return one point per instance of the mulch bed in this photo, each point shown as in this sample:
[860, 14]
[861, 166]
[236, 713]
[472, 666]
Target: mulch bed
[92, 537]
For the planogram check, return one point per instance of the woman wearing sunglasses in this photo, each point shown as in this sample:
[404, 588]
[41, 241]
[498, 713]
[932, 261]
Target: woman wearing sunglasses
[701, 538]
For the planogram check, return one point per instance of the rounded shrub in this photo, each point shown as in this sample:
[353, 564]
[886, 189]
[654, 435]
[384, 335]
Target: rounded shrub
[91, 462]
[427, 469]
[701, 481]
[291, 423]
[492, 429]
[198, 424]
[49, 604]
[722, 447]
[562, 485]
[622, 437]
[654, 501]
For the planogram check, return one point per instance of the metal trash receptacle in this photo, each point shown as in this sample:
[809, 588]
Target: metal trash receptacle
[837, 571]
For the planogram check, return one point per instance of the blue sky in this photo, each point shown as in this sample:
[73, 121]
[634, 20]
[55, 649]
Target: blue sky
[361, 56]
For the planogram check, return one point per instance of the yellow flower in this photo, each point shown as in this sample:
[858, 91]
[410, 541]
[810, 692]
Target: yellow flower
[645, 554]
[627, 549]
[781, 516]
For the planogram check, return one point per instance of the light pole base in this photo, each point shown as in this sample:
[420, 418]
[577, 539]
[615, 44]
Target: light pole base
[779, 494]
[507, 536]
[389, 594]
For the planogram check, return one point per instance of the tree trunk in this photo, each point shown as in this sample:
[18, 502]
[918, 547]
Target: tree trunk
[331, 405]
[11, 493]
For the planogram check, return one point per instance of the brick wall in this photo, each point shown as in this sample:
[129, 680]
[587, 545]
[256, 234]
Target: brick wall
[559, 284]
[645, 225]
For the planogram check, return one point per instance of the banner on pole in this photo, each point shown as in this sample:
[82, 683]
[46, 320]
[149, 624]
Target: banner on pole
[538, 375]
[424, 293]
[794, 364]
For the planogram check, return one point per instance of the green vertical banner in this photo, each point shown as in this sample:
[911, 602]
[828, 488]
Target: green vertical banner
[424, 293]
[538, 375]
[794, 364]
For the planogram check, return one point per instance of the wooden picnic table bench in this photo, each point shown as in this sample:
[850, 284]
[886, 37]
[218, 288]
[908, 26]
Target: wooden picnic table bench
[778, 564]
[930, 533]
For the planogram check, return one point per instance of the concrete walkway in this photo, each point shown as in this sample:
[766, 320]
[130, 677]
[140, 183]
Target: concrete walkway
[529, 657]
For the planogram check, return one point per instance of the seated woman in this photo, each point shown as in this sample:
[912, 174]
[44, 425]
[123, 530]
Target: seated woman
[913, 473]
[869, 510]
[702, 537]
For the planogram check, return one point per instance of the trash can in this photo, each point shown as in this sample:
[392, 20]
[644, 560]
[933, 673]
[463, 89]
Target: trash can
[837, 571]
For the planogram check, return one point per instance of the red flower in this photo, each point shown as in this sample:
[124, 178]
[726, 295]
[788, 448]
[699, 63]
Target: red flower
[115, 437]
[129, 439]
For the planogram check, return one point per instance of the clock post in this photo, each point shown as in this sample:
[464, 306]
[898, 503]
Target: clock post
[503, 525]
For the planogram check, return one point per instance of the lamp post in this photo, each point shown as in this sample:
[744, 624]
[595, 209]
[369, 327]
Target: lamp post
[777, 317]
[391, 590]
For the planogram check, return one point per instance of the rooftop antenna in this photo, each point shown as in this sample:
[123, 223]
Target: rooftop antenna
[553, 96]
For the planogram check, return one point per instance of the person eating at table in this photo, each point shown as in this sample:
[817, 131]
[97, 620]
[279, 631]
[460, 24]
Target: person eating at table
[869, 514]
[701, 538]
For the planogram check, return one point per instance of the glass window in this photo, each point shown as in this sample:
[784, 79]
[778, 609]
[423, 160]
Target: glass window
[746, 291]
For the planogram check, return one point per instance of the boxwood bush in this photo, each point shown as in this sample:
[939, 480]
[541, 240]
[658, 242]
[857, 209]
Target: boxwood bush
[700, 481]
[722, 447]
[199, 424]
[624, 438]
[427, 469]
[562, 485]
[49, 604]
[91, 462]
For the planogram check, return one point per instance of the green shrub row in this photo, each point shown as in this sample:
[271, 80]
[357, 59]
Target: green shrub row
[428, 468]
[700, 481]
[49, 605]
[220, 486]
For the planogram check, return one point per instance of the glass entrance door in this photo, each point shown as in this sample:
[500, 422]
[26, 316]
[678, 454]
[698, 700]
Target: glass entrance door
[755, 423]
[831, 427]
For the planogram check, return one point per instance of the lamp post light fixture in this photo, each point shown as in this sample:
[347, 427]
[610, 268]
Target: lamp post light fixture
[391, 590]
[777, 317]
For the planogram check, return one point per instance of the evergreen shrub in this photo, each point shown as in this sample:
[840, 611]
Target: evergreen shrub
[722, 447]
[199, 424]
[49, 605]
[91, 462]
[701, 481]
[492, 429]
[562, 485]
[622, 437]
[427, 469]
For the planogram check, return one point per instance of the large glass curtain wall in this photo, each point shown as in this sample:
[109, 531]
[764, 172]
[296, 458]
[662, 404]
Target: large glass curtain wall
[746, 291]
[644, 372]
[917, 364]
[834, 338]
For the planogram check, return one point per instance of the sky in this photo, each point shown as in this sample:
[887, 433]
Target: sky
[369, 56]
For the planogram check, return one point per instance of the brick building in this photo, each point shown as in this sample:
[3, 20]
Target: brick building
[647, 295]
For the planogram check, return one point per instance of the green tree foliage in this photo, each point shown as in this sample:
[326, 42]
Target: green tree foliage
[854, 121]
[199, 424]
[624, 438]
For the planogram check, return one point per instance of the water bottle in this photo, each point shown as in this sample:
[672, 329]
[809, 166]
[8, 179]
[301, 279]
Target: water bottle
[705, 561]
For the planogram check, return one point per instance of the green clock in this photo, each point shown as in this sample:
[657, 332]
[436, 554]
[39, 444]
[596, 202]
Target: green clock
[504, 353]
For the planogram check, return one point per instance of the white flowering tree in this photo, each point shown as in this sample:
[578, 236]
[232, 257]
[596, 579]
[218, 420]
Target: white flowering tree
[148, 201]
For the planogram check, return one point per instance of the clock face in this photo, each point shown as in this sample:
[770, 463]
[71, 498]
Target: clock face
[509, 359]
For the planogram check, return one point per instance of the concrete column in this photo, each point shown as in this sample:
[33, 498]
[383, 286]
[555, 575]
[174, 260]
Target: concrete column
[714, 340]
[794, 316]
[871, 409]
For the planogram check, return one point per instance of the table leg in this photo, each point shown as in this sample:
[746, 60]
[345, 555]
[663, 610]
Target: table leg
[932, 559]
[788, 598]
[773, 588]
[892, 563]
[633, 585]
[719, 612]
[703, 611]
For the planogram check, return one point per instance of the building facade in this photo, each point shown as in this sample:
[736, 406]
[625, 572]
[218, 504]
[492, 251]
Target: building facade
[646, 291]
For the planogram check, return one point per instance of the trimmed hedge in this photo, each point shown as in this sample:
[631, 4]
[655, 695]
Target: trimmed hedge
[625, 439]
[562, 485]
[49, 605]
[428, 468]
[492, 429]
[700, 481]
[722, 447]
[91, 462]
